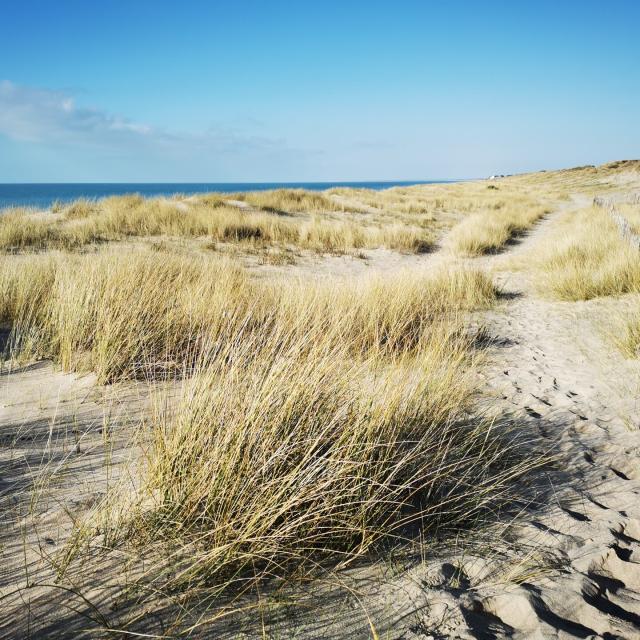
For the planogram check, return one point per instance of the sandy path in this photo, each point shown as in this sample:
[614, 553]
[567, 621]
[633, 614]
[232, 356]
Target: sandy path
[552, 364]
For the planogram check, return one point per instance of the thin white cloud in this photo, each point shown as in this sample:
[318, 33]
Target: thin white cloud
[36, 115]
[53, 138]
[42, 115]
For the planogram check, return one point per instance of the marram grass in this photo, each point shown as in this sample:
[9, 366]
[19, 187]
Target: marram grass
[125, 313]
[84, 222]
[492, 229]
[587, 258]
[315, 419]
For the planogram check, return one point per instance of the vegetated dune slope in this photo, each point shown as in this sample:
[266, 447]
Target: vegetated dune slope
[241, 408]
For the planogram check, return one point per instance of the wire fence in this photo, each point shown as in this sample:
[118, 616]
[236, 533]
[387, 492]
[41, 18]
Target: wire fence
[622, 223]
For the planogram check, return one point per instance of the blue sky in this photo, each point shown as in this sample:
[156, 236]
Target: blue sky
[282, 91]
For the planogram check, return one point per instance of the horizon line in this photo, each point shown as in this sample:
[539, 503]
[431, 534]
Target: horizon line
[415, 181]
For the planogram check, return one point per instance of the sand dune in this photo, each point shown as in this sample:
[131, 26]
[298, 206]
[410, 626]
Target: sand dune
[565, 563]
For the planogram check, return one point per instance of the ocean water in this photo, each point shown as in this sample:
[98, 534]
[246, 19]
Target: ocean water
[43, 195]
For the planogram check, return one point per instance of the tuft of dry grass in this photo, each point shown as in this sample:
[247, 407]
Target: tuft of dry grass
[213, 199]
[120, 314]
[57, 206]
[587, 258]
[627, 333]
[296, 451]
[79, 209]
[490, 230]
[290, 201]
[23, 229]
[399, 200]
[20, 228]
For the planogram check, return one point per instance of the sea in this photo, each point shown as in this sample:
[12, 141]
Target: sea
[43, 195]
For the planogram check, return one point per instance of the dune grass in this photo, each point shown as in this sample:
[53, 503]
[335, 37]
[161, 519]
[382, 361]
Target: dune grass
[112, 219]
[22, 229]
[420, 200]
[627, 338]
[403, 201]
[211, 200]
[587, 258]
[290, 201]
[121, 313]
[296, 451]
[78, 209]
[315, 418]
[490, 230]
[483, 217]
